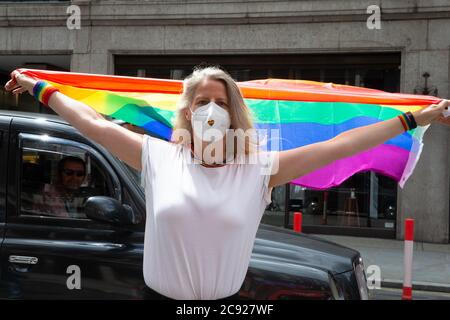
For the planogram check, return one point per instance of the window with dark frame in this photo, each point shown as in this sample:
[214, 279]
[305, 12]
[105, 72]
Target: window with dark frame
[42, 193]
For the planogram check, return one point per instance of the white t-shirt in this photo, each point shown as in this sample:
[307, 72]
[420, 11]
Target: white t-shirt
[201, 222]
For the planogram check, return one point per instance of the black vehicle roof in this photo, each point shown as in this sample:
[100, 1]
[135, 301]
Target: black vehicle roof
[33, 115]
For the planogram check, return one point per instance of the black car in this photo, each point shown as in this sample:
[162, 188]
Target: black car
[99, 253]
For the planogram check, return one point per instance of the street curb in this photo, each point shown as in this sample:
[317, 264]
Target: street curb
[421, 286]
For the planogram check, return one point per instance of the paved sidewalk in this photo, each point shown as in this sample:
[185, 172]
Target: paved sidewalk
[431, 262]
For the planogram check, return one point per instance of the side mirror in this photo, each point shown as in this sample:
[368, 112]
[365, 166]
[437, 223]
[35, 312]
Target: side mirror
[110, 210]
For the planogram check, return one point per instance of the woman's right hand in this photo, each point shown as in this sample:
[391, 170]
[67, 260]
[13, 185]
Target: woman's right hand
[20, 83]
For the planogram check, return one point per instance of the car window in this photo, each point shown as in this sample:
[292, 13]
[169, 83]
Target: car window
[57, 179]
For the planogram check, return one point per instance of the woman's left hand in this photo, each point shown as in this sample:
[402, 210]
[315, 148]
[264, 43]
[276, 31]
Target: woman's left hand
[431, 113]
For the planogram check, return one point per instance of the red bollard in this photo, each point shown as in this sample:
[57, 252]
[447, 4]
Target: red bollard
[298, 221]
[407, 262]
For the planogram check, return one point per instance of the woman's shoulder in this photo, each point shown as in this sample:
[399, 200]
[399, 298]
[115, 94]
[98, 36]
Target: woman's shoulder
[257, 158]
[155, 142]
[161, 151]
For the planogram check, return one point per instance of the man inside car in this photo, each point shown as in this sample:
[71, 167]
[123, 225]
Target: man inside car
[66, 197]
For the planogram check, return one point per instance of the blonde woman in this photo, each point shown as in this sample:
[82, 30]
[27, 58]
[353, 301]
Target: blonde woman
[202, 215]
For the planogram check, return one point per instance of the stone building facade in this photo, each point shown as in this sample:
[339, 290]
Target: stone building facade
[135, 37]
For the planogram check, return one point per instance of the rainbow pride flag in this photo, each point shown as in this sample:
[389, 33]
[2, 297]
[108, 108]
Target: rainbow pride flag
[304, 112]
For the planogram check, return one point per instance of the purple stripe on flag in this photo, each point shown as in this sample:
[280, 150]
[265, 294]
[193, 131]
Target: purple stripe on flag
[387, 160]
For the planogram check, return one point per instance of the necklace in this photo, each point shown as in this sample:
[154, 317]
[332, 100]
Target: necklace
[207, 165]
[203, 163]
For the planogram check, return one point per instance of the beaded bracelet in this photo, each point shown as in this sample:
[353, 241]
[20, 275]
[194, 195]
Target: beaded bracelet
[411, 119]
[43, 91]
[408, 121]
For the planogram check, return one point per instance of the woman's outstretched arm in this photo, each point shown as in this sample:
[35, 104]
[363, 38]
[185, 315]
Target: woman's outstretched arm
[123, 143]
[300, 161]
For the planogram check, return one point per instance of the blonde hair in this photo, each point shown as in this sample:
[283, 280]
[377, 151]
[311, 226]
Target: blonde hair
[239, 112]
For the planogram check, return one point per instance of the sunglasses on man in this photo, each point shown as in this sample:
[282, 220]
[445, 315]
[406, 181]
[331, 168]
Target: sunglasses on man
[71, 172]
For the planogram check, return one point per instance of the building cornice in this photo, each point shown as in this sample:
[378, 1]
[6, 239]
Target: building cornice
[214, 12]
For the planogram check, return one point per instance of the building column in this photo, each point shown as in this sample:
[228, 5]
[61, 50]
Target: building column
[426, 194]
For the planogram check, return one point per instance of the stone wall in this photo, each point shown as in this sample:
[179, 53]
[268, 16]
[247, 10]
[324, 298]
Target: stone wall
[419, 29]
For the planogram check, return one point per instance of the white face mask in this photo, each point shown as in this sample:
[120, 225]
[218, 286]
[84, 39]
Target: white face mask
[210, 121]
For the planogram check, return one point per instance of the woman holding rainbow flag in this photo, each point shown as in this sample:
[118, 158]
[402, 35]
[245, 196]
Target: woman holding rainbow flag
[202, 219]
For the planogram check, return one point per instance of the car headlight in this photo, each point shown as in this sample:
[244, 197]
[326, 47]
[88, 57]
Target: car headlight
[361, 279]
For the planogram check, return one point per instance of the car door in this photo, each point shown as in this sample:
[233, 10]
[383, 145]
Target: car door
[50, 254]
[4, 129]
